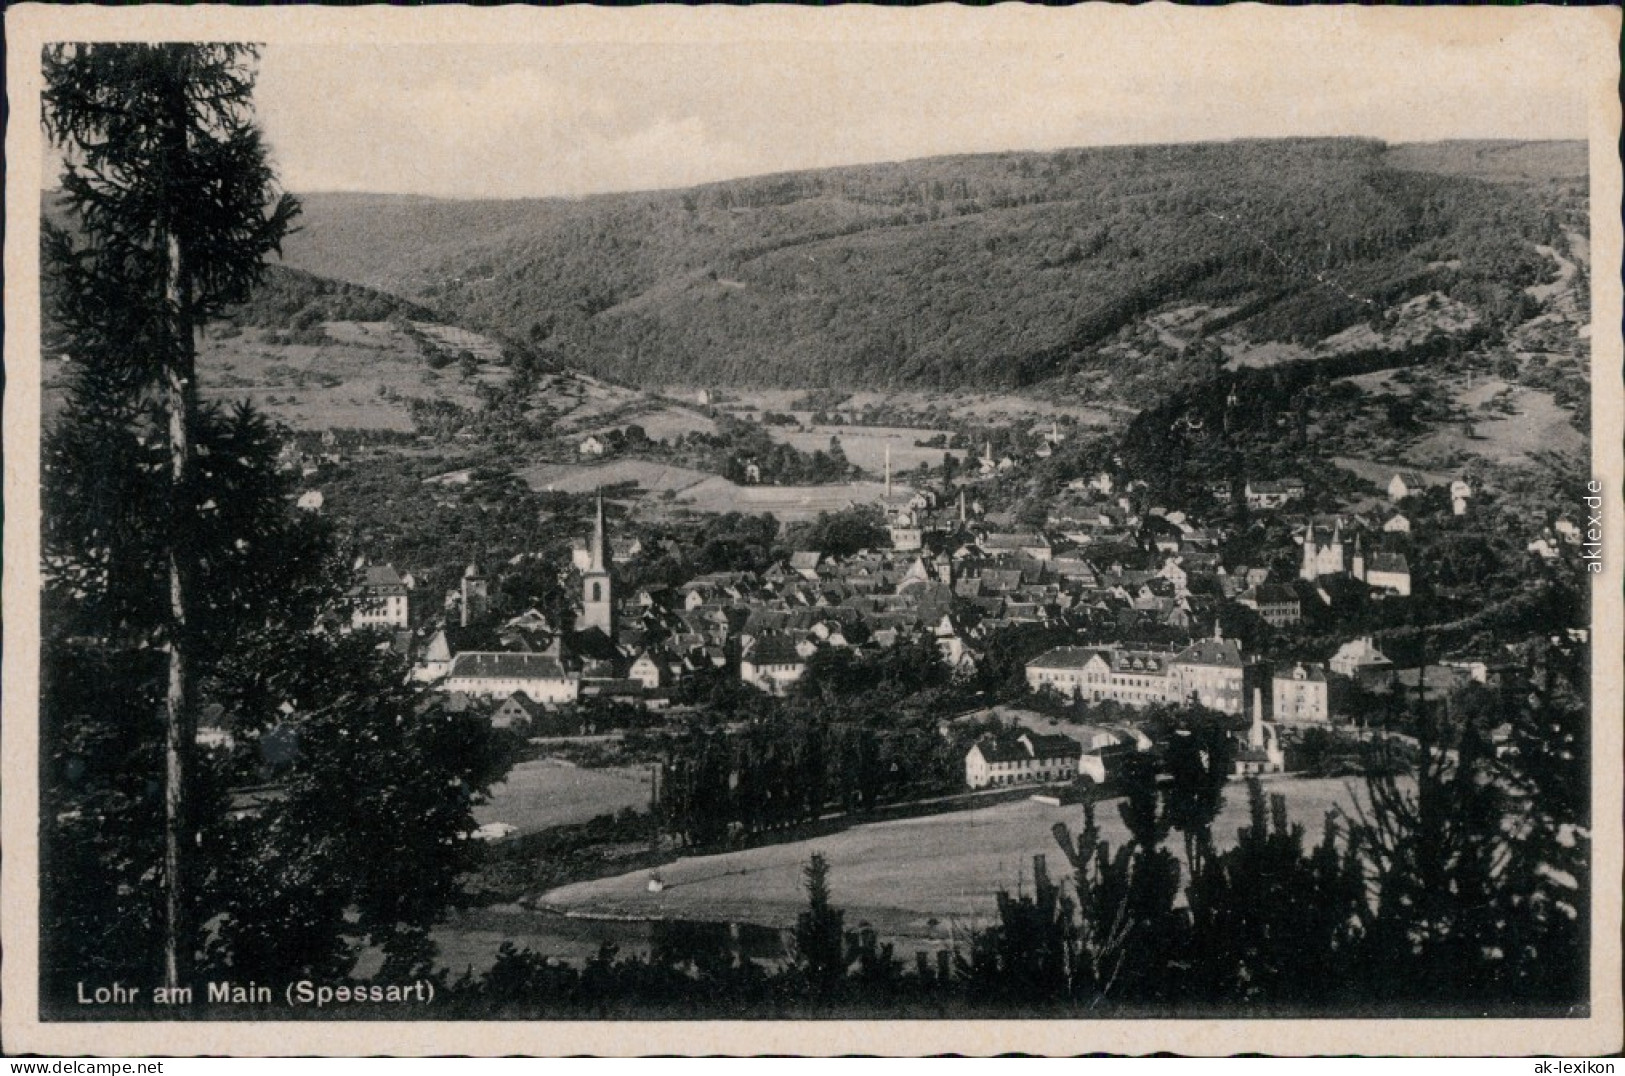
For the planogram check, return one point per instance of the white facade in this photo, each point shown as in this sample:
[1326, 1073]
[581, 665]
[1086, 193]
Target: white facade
[498, 674]
[1299, 695]
[1026, 758]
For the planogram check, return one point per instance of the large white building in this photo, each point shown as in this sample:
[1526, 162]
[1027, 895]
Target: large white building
[382, 599]
[490, 674]
[1212, 671]
[1101, 674]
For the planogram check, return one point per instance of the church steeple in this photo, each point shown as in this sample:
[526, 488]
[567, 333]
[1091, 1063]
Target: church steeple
[597, 601]
[596, 552]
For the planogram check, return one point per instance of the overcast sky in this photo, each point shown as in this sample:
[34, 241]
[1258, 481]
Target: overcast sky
[495, 120]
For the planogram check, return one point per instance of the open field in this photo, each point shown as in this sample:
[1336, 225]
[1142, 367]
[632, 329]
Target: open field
[669, 422]
[917, 879]
[789, 504]
[1243, 352]
[866, 446]
[362, 378]
[1381, 473]
[456, 339]
[1536, 424]
[550, 792]
[583, 478]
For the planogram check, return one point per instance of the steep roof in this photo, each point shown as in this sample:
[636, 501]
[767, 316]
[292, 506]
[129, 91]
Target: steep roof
[383, 577]
[498, 665]
[1272, 594]
[1154, 662]
[1064, 657]
[775, 650]
[1312, 672]
[1014, 541]
[1021, 746]
[1225, 652]
[1382, 561]
[1363, 651]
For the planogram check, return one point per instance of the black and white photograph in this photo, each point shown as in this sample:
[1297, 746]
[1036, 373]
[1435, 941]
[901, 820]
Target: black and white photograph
[902, 531]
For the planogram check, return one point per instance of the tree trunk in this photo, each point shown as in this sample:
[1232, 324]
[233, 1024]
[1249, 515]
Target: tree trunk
[181, 716]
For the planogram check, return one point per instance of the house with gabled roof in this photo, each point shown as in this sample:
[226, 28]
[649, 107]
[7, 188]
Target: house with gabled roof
[517, 710]
[773, 664]
[1023, 757]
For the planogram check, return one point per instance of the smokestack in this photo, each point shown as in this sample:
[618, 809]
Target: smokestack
[888, 472]
[1255, 735]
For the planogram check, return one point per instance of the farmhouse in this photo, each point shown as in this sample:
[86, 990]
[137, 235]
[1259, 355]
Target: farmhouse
[591, 447]
[1020, 758]
[496, 674]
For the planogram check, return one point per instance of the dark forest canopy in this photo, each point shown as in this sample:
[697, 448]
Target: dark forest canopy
[997, 270]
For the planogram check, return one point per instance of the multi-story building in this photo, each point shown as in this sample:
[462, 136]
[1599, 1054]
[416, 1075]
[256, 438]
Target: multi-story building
[1021, 758]
[1099, 674]
[1277, 604]
[1299, 694]
[1210, 672]
[382, 599]
[498, 674]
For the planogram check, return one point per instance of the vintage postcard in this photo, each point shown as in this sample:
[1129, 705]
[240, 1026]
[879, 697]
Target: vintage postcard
[790, 530]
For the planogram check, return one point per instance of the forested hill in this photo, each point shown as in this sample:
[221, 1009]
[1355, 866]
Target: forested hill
[982, 271]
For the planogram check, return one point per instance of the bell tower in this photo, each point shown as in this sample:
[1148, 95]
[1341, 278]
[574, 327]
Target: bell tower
[476, 594]
[597, 604]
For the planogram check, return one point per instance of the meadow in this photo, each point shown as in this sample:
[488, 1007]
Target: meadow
[867, 446]
[788, 504]
[649, 475]
[920, 880]
[549, 792]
